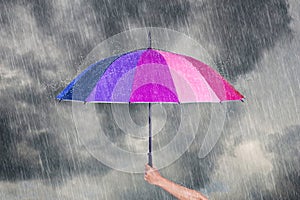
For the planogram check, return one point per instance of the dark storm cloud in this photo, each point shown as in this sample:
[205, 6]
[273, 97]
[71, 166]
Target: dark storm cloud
[169, 13]
[14, 164]
[43, 12]
[40, 9]
[197, 171]
[3, 14]
[21, 125]
[28, 63]
[285, 174]
[32, 145]
[30, 150]
[28, 147]
[281, 181]
[242, 30]
[286, 147]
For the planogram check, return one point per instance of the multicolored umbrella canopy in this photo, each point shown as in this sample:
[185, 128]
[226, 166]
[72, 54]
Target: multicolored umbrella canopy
[149, 75]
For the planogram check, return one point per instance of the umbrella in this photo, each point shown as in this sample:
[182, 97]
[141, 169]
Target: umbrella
[149, 75]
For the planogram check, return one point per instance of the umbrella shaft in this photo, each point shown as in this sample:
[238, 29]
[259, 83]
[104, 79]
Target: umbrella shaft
[150, 138]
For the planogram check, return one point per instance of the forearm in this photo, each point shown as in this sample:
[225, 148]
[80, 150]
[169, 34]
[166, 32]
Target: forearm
[180, 192]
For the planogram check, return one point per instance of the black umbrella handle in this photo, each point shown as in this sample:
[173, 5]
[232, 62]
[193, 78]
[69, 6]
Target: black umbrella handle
[150, 159]
[150, 139]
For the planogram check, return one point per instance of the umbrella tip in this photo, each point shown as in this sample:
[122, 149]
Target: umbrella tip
[243, 100]
[59, 100]
[150, 40]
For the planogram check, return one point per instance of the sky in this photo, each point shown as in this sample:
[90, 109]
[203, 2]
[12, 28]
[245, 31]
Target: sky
[253, 43]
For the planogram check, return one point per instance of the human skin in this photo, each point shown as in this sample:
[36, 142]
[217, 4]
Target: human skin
[153, 177]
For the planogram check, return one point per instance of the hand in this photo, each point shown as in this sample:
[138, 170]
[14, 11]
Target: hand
[152, 175]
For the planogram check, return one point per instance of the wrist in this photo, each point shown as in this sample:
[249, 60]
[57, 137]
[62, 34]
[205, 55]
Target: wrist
[161, 181]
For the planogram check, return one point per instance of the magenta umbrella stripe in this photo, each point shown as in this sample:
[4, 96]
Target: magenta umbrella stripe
[103, 90]
[151, 56]
[153, 93]
[152, 69]
[219, 85]
[153, 73]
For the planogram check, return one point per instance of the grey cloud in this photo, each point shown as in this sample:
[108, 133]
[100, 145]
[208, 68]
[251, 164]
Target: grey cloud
[42, 11]
[242, 30]
[34, 133]
[117, 13]
[286, 147]
[285, 174]
[263, 166]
